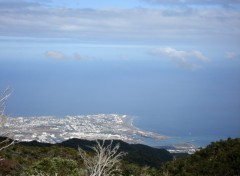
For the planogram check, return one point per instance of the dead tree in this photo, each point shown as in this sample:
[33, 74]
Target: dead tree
[3, 119]
[105, 161]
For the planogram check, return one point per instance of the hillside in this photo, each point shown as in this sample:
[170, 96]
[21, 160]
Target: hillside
[220, 158]
[23, 154]
[137, 153]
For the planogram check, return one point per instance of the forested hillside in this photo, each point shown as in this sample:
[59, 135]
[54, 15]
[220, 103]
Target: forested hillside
[220, 158]
[24, 155]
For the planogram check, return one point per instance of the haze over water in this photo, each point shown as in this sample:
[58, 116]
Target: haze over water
[174, 66]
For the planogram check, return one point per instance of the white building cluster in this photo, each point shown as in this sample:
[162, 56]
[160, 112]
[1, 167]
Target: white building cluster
[53, 129]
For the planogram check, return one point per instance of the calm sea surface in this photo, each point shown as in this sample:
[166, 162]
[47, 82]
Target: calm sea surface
[180, 137]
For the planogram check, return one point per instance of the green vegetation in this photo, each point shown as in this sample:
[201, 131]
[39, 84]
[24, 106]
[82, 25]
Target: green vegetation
[53, 166]
[26, 157]
[218, 159]
[33, 158]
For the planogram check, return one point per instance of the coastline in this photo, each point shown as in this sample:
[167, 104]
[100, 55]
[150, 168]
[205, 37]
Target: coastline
[56, 129]
[139, 135]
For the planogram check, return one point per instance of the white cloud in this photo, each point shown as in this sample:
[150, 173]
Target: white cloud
[55, 55]
[232, 55]
[198, 55]
[184, 59]
[137, 24]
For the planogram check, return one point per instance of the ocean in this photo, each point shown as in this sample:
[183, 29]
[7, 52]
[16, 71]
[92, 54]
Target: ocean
[197, 107]
[181, 136]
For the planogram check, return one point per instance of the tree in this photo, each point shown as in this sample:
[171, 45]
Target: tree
[105, 161]
[3, 118]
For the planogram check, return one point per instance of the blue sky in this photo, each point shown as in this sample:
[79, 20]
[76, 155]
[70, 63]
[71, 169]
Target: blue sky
[173, 64]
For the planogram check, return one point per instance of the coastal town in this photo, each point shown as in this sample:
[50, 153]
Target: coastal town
[53, 129]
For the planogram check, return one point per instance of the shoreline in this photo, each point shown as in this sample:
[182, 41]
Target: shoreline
[155, 139]
[55, 129]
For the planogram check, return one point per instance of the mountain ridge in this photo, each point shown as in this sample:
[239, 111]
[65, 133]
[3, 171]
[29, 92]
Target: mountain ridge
[136, 153]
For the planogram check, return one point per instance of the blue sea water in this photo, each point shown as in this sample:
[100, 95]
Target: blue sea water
[181, 136]
[197, 141]
[197, 107]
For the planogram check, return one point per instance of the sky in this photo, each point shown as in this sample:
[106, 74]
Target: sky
[172, 64]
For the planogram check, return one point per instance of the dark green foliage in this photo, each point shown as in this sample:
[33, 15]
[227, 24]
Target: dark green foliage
[53, 166]
[26, 154]
[137, 153]
[136, 170]
[218, 159]
[145, 155]
[36, 144]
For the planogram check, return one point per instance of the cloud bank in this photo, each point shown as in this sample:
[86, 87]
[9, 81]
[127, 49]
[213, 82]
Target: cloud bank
[183, 59]
[137, 24]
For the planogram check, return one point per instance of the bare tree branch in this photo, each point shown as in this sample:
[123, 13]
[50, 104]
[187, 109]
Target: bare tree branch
[7, 145]
[3, 119]
[105, 160]
[3, 98]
